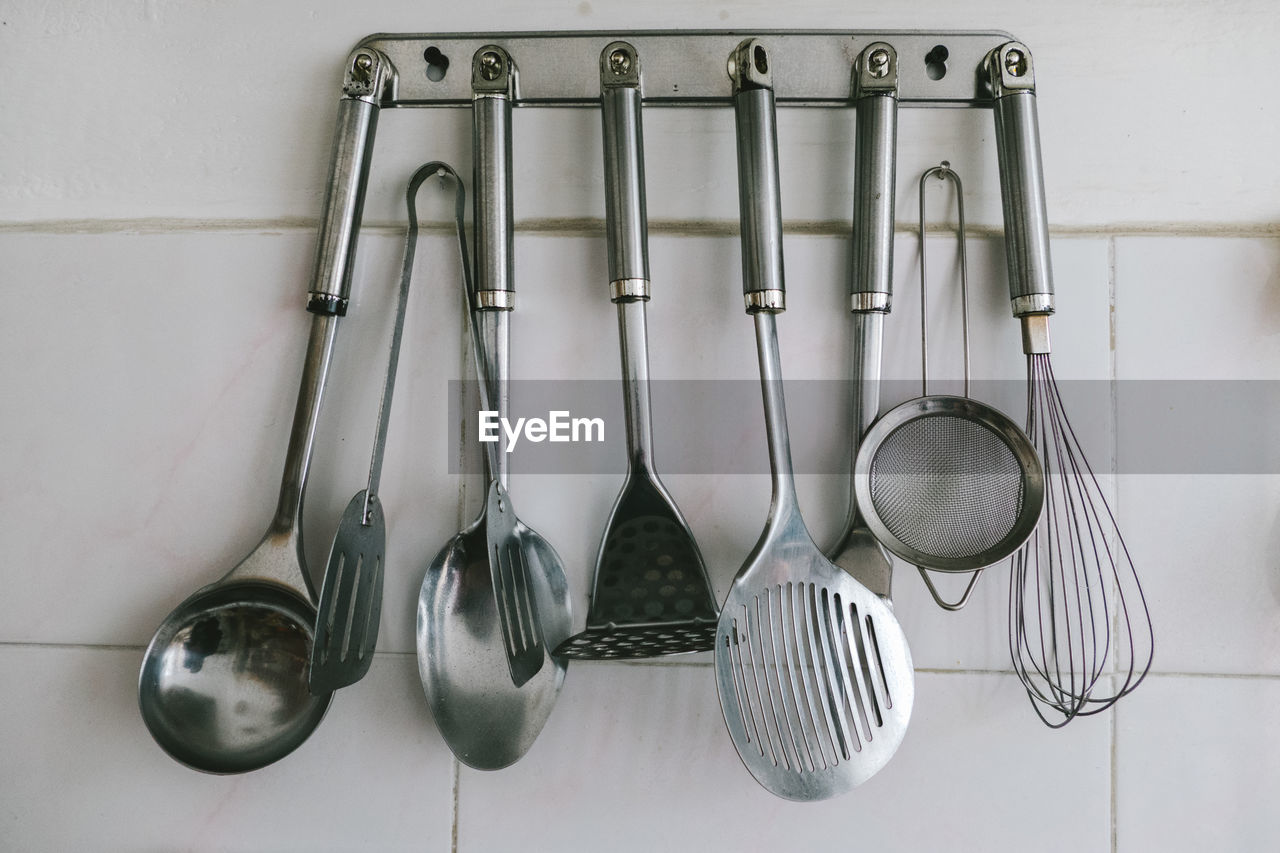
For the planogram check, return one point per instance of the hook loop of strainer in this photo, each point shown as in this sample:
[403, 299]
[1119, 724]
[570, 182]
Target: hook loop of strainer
[948, 483]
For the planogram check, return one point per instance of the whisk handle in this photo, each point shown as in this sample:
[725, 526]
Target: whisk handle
[875, 94]
[1026, 222]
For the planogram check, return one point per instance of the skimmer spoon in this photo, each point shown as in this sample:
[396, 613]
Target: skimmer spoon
[813, 671]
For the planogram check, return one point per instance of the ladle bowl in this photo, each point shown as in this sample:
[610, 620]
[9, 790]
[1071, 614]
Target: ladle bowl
[223, 685]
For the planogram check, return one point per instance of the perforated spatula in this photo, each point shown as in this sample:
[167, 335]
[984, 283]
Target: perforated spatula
[351, 598]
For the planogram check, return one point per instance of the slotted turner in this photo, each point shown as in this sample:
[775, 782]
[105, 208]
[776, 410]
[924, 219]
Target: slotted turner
[351, 597]
[813, 671]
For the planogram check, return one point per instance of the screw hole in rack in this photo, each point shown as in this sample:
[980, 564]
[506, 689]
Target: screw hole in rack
[935, 62]
[437, 64]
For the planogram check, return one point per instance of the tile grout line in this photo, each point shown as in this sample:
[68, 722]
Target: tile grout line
[457, 778]
[1115, 774]
[656, 662]
[587, 226]
[670, 664]
[1113, 334]
[1115, 470]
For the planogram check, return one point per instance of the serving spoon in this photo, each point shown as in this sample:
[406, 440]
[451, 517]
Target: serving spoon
[487, 717]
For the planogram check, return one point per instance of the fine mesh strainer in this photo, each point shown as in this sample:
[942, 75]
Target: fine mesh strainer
[945, 482]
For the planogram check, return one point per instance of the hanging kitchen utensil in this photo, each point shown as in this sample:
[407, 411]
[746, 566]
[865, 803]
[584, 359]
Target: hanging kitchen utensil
[870, 286]
[948, 483]
[223, 684]
[943, 173]
[1063, 581]
[651, 594]
[812, 669]
[486, 718]
[350, 610]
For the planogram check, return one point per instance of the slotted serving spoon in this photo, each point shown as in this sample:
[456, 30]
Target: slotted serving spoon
[351, 596]
[488, 720]
[651, 595]
[813, 671]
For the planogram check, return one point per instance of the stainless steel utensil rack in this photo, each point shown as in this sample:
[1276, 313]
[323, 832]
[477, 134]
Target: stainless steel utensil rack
[681, 68]
[686, 68]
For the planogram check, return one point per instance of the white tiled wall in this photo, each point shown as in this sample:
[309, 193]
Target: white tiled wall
[161, 166]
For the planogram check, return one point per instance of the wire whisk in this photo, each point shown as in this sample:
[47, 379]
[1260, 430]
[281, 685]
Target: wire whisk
[1066, 579]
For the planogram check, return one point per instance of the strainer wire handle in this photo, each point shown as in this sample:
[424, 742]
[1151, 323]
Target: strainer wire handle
[953, 606]
[943, 172]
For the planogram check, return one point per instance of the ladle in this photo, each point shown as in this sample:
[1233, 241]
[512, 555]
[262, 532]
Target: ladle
[223, 684]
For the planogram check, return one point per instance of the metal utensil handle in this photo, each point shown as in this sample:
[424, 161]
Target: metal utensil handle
[492, 291]
[875, 92]
[761, 227]
[368, 75]
[943, 172]
[306, 416]
[960, 602]
[627, 224]
[627, 231]
[397, 334]
[444, 170]
[759, 199]
[492, 82]
[874, 178]
[1026, 221]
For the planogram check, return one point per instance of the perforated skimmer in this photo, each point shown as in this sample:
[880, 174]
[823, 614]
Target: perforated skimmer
[945, 482]
[812, 669]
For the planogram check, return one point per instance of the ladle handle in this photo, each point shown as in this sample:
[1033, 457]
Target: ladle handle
[1026, 222]
[367, 74]
[493, 291]
[626, 228]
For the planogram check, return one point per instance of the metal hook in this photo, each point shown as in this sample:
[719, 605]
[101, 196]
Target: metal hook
[943, 172]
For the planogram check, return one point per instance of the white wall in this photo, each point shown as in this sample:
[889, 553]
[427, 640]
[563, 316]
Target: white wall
[161, 166]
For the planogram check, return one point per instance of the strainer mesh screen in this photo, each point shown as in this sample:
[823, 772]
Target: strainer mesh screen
[946, 486]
